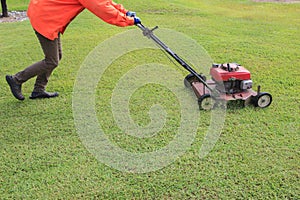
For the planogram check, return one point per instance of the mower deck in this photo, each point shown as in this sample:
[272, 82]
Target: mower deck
[200, 90]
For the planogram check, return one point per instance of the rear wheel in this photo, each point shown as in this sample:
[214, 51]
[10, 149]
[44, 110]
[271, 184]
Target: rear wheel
[263, 100]
[206, 102]
[189, 79]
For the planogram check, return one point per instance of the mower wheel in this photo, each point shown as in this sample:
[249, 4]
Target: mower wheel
[190, 78]
[263, 100]
[206, 102]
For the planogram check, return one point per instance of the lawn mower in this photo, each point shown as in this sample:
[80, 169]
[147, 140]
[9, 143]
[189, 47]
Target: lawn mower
[229, 81]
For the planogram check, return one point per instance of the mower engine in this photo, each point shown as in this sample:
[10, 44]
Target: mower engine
[231, 78]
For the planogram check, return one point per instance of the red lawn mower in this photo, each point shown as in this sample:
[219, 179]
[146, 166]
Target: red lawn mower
[229, 81]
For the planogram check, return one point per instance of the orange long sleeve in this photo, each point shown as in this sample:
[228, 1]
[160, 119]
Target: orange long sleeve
[50, 17]
[108, 11]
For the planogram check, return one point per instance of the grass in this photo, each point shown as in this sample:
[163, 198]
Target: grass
[256, 156]
[17, 5]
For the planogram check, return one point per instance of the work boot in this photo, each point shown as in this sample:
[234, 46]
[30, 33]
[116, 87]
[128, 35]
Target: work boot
[16, 89]
[42, 95]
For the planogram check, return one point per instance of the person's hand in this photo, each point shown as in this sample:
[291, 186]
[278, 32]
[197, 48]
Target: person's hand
[131, 14]
[137, 20]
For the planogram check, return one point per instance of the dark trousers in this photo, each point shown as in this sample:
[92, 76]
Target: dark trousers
[42, 69]
[4, 7]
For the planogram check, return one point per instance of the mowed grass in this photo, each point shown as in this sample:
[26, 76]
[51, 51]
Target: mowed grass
[256, 156]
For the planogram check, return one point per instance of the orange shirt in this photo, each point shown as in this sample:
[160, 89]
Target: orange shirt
[50, 17]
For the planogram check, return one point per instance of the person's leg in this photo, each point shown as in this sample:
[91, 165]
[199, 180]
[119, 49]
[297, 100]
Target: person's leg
[51, 49]
[52, 59]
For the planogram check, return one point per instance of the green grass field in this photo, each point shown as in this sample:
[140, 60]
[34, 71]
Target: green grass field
[256, 156]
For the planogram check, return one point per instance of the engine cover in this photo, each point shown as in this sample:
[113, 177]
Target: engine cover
[228, 72]
[231, 78]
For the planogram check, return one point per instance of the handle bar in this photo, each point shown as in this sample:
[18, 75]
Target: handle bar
[149, 33]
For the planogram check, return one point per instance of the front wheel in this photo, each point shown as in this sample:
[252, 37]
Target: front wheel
[206, 102]
[263, 100]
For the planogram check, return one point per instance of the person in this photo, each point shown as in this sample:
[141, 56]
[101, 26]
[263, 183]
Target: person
[4, 8]
[49, 19]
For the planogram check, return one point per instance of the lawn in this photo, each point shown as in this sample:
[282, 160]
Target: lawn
[256, 155]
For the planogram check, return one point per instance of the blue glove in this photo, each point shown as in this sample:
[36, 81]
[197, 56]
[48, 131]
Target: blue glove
[130, 14]
[137, 20]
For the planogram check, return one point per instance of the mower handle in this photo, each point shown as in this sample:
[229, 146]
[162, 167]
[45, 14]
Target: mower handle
[149, 33]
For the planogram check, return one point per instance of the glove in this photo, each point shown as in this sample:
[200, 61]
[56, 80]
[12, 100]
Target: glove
[137, 20]
[130, 14]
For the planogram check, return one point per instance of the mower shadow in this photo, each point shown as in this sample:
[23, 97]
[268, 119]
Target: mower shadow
[236, 105]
